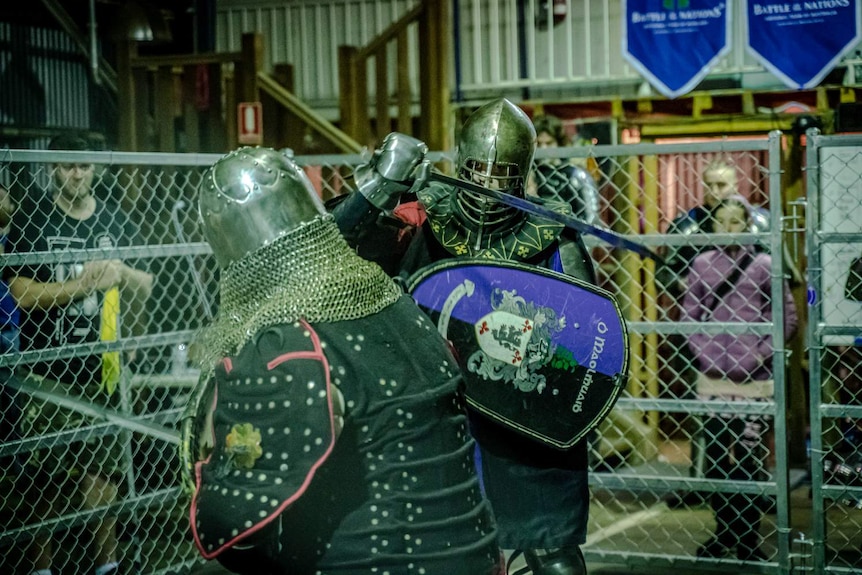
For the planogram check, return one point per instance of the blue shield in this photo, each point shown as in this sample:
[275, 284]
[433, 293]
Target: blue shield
[542, 353]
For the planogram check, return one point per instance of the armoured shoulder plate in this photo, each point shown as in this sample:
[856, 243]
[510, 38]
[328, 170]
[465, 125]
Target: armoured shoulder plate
[759, 219]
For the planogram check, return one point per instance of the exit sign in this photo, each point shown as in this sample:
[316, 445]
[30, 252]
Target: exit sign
[249, 120]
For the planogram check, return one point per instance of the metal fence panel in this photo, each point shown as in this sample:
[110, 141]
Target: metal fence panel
[641, 455]
[834, 247]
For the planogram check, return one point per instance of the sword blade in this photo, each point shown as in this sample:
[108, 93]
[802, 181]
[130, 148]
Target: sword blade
[613, 238]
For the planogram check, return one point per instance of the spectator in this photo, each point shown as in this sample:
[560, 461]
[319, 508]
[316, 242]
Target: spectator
[63, 304]
[569, 181]
[734, 284]
[10, 412]
[719, 182]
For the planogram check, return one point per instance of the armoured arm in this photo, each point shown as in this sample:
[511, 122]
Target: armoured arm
[575, 257]
[363, 218]
[586, 204]
[394, 168]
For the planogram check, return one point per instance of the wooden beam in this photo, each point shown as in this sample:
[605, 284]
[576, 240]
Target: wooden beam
[381, 75]
[250, 64]
[700, 103]
[127, 125]
[217, 135]
[164, 110]
[353, 90]
[141, 99]
[191, 118]
[405, 116]
[729, 125]
[434, 33]
[391, 31]
[181, 60]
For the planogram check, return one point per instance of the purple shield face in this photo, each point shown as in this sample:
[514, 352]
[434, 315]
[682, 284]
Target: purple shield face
[542, 353]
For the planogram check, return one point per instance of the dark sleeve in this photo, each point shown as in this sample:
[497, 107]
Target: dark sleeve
[376, 236]
[354, 215]
[273, 406]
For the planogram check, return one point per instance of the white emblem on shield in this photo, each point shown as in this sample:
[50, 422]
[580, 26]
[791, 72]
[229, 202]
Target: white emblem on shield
[504, 336]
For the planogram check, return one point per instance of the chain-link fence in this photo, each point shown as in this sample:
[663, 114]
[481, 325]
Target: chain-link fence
[691, 467]
[834, 242]
[668, 470]
[95, 380]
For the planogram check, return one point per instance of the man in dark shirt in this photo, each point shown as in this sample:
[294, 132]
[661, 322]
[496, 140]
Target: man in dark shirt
[63, 304]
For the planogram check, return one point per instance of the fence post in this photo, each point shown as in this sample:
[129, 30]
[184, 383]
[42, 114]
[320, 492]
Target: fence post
[381, 76]
[245, 87]
[191, 118]
[165, 109]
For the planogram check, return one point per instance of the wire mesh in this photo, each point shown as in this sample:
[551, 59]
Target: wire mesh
[834, 244]
[655, 497]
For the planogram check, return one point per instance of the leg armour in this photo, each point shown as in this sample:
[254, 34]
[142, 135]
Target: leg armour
[563, 561]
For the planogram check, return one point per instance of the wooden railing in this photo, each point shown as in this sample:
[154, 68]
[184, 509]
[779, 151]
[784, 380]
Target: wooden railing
[188, 103]
[432, 20]
[291, 104]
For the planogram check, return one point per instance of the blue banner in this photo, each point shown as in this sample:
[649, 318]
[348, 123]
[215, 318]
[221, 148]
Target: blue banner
[800, 42]
[674, 43]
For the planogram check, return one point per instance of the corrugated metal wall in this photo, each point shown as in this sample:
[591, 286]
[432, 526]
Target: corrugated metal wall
[45, 82]
[307, 34]
[498, 45]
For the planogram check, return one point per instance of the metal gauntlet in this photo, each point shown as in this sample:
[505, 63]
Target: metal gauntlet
[392, 170]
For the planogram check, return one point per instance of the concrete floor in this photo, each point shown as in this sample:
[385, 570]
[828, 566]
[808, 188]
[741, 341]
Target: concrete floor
[634, 523]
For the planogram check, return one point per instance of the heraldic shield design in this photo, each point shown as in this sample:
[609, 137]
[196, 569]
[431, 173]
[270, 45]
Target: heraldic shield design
[542, 353]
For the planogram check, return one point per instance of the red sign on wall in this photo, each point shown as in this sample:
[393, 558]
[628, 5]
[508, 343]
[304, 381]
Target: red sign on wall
[249, 123]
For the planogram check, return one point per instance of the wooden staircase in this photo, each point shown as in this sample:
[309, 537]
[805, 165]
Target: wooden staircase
[188, 102]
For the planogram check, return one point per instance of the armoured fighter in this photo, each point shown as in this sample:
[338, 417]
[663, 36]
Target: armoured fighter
[312, 444]
[539, 493]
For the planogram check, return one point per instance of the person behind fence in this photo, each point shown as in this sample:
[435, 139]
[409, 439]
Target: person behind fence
[570, 180]
[65, 303]
[539, 494]
[720, 181]
[327, 433]
[10, 342]
[734, 284]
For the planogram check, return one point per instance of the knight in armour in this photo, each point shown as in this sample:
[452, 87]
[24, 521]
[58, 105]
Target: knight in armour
[310, 445]
[539, 494]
